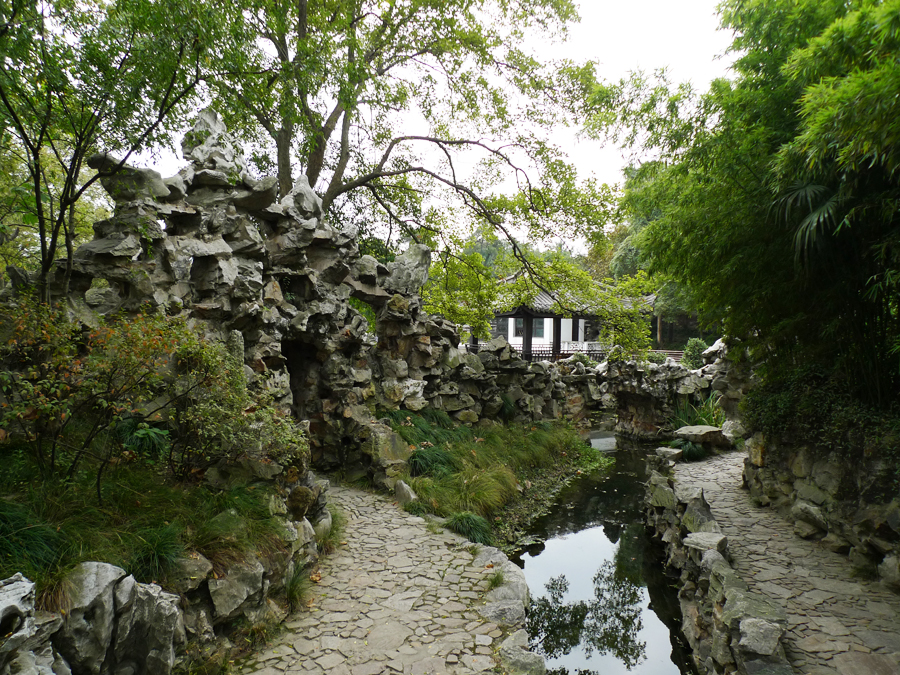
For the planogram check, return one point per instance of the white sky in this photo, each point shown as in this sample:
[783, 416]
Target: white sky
[622, 36]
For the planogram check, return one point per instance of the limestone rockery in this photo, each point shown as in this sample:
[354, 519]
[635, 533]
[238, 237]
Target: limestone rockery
[215, 245]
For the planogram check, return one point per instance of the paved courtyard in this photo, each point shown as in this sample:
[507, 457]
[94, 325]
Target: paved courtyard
[838, 624]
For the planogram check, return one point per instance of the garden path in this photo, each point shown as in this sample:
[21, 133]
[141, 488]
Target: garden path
[837, 624]
[395, 598]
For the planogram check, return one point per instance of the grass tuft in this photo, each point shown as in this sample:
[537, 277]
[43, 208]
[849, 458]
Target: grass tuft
[415, 508]
[471, 526]
[495, 579]
[432, 460]
[330, 541]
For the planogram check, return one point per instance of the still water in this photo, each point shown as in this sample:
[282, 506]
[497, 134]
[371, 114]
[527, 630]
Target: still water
[600, 602]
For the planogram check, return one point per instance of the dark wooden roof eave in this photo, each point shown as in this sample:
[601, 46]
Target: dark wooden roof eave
[521, 311]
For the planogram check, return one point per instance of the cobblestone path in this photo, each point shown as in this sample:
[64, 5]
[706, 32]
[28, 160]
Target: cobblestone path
[837, 624]
[396, 598]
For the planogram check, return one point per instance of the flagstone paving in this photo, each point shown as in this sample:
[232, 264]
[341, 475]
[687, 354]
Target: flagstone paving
[395, 598]
[838, 624]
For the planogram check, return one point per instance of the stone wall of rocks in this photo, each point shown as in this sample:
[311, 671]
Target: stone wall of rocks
[729, 628]
[830, 500]
[215, 245]
[647, 394]
[115, 625]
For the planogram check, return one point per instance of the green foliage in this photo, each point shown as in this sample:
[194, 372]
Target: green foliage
[707, 413]
[454, 468]
[690, 451]
[416, 508]
[297, 587]
[463, 289]
[76, 77]
[434, 461]
[328, 86]
[75, 397]
[471, 526]
[693, 353]
[156, 548]
[774, 197]
[816, 407]
[48, 526]
[655, 357]
[584, 359]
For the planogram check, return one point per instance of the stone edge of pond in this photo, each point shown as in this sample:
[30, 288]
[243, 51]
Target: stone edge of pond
[507, 605]
[727, 625]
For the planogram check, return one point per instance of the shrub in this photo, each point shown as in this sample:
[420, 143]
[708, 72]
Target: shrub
[693, 353]
[690, 452]
[708, 412]
[655, 357]
[581, 357]
[471, 526]
[74, 395]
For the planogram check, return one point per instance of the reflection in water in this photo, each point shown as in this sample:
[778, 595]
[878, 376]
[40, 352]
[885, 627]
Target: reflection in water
[595, 579]
[608, 623]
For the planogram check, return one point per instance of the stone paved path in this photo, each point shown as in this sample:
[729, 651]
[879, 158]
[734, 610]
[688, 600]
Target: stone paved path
[396, 598]
[838, 624]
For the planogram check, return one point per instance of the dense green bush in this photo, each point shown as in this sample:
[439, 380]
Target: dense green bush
[655, 357]
[693, 353]
[141, 384]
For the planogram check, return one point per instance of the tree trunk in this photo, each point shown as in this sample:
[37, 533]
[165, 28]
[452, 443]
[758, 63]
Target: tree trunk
[659, 332]
[283, 146]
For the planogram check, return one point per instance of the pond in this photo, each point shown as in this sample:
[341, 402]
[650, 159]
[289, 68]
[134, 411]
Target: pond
[600, 602]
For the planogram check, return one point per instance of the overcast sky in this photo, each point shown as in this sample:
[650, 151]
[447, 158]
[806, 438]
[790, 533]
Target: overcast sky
[680, 35]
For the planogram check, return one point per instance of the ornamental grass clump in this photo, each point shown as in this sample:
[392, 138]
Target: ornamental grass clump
[458, 469]
[471, 526]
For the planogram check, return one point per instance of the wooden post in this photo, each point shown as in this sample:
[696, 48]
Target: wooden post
[557, 337]
[659, 326]
[528, 327]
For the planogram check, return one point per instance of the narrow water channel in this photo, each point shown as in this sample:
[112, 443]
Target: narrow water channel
[600, 602]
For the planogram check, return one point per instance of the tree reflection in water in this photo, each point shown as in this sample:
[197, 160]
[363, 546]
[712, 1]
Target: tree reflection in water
[608, 623]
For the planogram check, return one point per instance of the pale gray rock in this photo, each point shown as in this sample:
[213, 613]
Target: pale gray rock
[733, 430]
[16, 615]
[149, 626]
[128, 183]
[703, 433]
[808, 513]
[674, 454]
[404, 493]
[243, 583]
[304, 199]
[87, 633]
[188, 573]
[322, 524]
[504, 612]
[514, 586]
[516, 658]
[889, 571]
[409, 271]
[703, 541]
[759, 636]
[118, 245]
